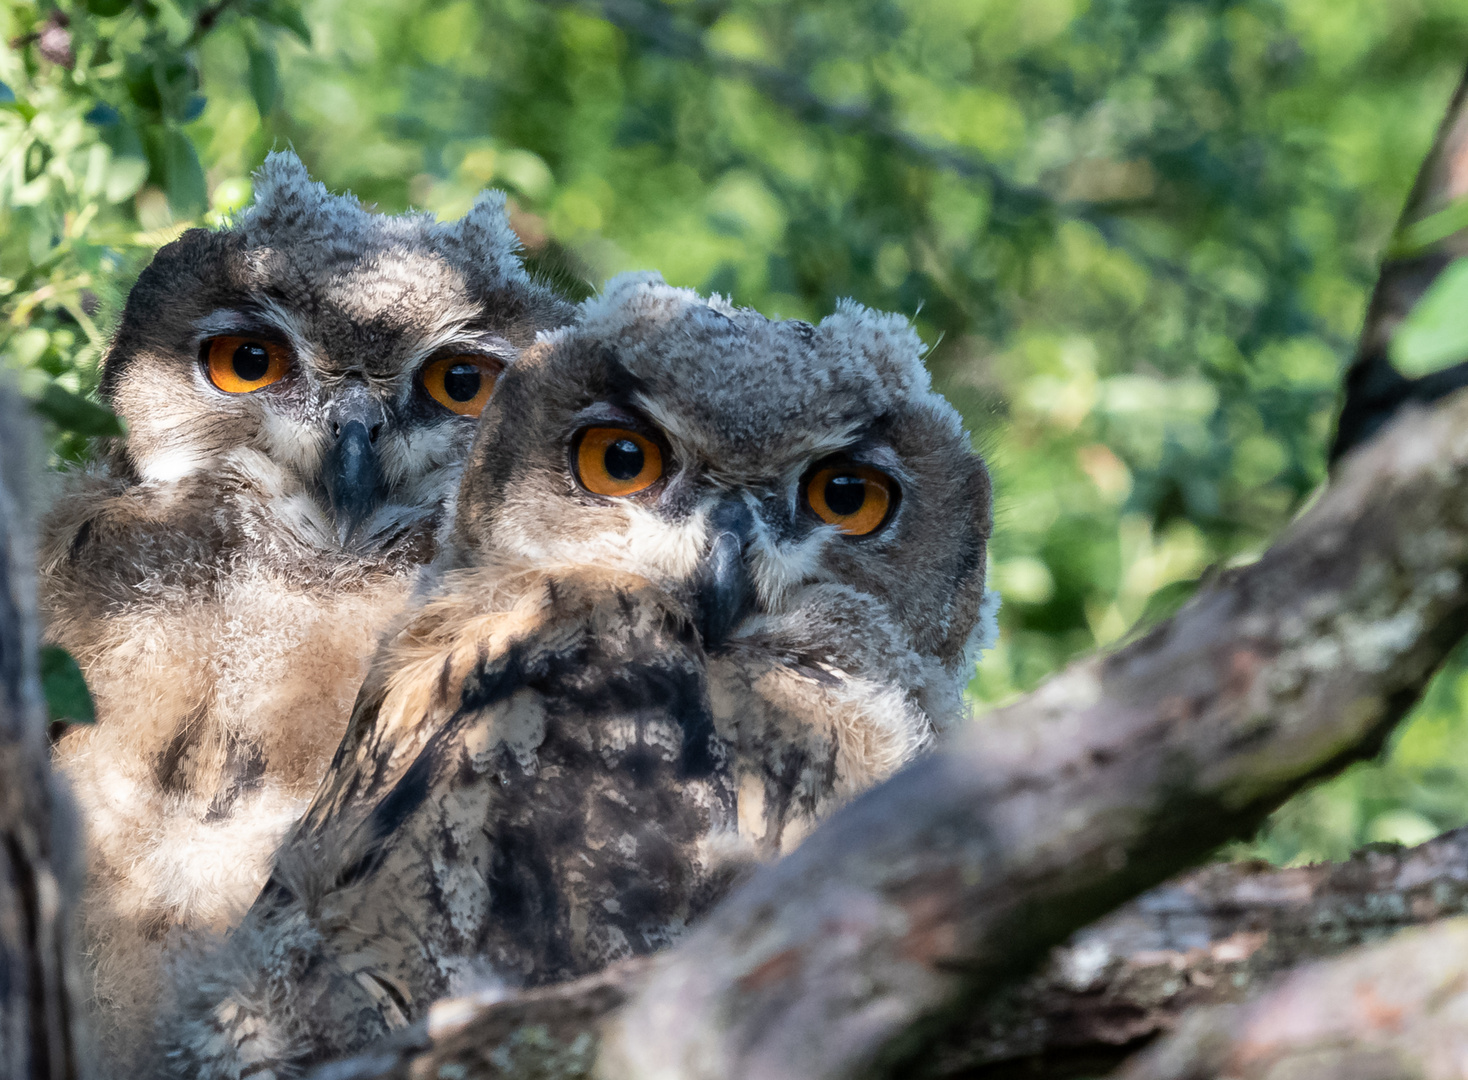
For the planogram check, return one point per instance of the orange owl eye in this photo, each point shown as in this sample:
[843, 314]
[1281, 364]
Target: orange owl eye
[855, 498]
[615, 461]
[238, 365]
[463, 383]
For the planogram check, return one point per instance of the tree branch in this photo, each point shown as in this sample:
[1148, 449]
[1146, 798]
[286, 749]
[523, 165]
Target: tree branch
[1216, 935]
[1393, 1011]
[1374, 388]
[658, 26]
[39, 1037]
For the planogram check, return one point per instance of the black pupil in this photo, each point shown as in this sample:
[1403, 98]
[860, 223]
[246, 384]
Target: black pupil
[461, 382]
[845, 494]
[624, 460]
[251, 361]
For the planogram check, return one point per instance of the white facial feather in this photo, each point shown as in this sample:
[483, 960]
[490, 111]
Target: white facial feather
[778, 567]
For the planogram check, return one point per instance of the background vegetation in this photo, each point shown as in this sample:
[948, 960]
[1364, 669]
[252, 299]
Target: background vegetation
[1138, 234]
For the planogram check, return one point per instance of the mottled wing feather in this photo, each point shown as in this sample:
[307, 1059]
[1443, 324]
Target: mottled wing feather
[561, 811]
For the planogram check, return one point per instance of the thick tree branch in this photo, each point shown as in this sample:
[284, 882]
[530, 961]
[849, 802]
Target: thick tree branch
[1216, 935]
[926, 896]
[38, 1020]
[1393, 1011]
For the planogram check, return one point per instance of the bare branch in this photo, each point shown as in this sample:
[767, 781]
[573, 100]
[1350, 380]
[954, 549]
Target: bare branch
[1391, 1011]
[1374, 388]
[661, 29]
[1219, 934]
[658, 26]
[655, 24]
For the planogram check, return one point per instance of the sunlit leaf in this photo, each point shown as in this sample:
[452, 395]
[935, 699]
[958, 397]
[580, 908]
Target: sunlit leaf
[1432, 229]
[1435, 335]
[125, 176]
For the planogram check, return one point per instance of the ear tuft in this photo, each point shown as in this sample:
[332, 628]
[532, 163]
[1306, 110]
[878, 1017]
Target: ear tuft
[284, 190]
[485, 237]
[631, 297]
[287, 200]
[883, 339]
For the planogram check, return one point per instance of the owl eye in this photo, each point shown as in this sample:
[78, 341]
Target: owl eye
[238, 365]
[463, 383]
[857, 499]
[616, 461]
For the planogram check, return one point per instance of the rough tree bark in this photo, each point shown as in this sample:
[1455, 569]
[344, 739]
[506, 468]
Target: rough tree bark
[1219, 934]
[39, 1038]
[1216, 935]
[1394, 1011]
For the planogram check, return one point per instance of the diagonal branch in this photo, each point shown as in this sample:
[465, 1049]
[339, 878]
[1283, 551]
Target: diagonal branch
[655, 24]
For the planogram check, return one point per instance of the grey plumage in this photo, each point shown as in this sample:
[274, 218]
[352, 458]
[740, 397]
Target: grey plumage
[223, 574]
[636, 668]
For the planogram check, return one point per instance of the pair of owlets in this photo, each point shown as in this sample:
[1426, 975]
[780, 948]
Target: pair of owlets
[693, 578]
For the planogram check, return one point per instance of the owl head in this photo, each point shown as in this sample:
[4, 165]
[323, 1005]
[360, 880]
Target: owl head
[347, 354]
[802, 489]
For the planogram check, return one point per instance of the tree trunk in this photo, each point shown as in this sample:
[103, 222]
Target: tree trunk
[38, 1003]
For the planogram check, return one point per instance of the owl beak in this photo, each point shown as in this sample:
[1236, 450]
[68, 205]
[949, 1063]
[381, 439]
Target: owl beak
[725, 590]
[353, 473]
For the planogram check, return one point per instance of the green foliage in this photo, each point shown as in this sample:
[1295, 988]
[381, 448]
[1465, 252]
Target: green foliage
[98, 167]
[1138, 234]
[1435, 335]
[67, 698]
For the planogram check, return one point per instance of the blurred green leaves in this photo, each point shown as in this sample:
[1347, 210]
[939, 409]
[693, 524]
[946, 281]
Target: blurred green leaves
[264, 78]
[98, 165]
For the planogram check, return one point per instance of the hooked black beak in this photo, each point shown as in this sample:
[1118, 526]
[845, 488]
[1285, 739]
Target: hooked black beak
[353, 474]
[725, 590]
